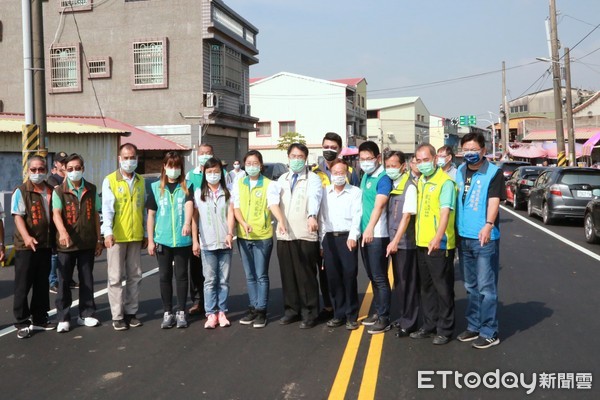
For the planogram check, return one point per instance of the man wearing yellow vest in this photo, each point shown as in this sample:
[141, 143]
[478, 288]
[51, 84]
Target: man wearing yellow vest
[435, 237]
[124, 237]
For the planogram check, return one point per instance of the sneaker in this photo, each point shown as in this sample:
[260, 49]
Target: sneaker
[467, 336]
[351, 325]
[261, 319]
[120, 325]
[88, 321]
[63, 326]
[181, 321]
[335, 322]
[132, 321]
[211, 321]
[249, 318]
[46, 326]
[74, 285]
[381, 326]
[440, 339]
[370, 320]
[484, 343]
[23, 333]
[421, 334]
[54, 289]
[168, 321]
[223, 321]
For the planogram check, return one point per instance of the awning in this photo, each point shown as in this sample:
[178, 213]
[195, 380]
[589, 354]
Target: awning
[528, 151]
[589, 145]
[550, 134]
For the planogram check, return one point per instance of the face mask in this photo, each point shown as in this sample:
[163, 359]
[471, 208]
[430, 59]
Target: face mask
[173, 173]
[236, 166]
[75, 176]
[253, 171]
[37, 178]
[338, 180]
[426, 168]
[297, 165]
[441, 162]
[393, 173]
[129, 165]
[472, 157]
[202, 159]
[213, 178]
[367, 166]
[329, 154]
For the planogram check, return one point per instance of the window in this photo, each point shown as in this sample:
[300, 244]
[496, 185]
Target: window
[65, 69]
[286, 126]
[264, 129]
[150, 64]
[225, 67]
[75, 5]
[99, 67]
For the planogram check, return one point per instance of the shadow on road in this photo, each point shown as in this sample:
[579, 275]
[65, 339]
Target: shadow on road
[518, 317]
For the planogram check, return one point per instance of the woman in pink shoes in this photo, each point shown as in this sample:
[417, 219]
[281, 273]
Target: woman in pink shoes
[212, 228]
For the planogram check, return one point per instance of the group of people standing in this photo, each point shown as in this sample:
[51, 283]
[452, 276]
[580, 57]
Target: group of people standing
[413, 213]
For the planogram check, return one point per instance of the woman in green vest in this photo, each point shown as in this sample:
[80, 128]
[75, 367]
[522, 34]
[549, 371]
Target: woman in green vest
[170, 208]
[255, 197]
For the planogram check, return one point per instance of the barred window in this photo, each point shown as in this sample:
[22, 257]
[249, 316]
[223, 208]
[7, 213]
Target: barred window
[99, 67]
[226, 67]
[75, 5]
[65, 69]
[150, 64]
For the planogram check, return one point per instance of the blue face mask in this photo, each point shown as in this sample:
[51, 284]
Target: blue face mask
[472, 157]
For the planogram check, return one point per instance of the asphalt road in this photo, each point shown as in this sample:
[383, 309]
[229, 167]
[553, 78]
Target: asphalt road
[548, 325]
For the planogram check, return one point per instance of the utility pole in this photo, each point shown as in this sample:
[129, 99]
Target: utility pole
[569, 106]
[39, 72]
[505, 114]
[560, 134]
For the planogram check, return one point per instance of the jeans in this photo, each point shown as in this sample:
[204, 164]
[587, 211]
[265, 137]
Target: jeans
[376, 265]
[53, 277]
[480, 265]
[215, 267]
[255, 256]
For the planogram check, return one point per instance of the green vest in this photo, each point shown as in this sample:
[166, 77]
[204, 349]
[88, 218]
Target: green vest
[428, 211]
[128, 222]
[254, 209]
[170, 216]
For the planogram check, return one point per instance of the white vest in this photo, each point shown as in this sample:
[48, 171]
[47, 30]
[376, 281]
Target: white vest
[294, 206]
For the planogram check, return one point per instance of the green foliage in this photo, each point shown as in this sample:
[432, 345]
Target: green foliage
[288, 138]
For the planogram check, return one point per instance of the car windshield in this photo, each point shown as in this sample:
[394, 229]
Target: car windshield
[576, 178]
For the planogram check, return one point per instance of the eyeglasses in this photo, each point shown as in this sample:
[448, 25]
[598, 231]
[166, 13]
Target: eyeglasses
[477, 150]
[75, 168]
[39, 170]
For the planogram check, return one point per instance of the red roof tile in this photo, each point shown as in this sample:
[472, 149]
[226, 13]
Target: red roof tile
[348, 81]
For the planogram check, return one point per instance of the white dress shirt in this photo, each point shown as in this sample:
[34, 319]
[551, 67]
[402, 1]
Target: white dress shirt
[341, 211]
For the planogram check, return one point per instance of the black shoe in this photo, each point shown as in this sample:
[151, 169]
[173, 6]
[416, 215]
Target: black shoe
[325, 315]
[467, 336]
[370, 320]
[351, 325]
[74, 285]
[120, 325]
[484, 343]
[439, 339]
[288, 319]
[335, 322]
[44, 326]
[307, 324]
[403, 332]
[54, 289]
[132, 321]
[421, 334]
[381, 326]
[261, 319]
[196, 310]
[249, 318]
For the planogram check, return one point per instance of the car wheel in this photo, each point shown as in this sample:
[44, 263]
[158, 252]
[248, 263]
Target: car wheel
[515, 202]
[529, 208]
[546, 219]
[589, 229]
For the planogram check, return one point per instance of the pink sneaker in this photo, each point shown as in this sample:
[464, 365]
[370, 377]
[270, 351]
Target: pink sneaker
[223, 321]
[211, 322]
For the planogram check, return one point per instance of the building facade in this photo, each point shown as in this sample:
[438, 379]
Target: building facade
[178, 69]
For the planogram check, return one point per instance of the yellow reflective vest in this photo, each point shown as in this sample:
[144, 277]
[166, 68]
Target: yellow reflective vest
[428, 212]
[254, 209]
[128, 222]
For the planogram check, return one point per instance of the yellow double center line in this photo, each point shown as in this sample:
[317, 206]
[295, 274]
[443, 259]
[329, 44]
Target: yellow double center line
[371, 371]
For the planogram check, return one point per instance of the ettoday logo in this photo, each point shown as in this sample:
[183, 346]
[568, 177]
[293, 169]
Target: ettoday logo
[473, 380]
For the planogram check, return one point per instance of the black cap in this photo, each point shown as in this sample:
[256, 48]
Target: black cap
[60, 157]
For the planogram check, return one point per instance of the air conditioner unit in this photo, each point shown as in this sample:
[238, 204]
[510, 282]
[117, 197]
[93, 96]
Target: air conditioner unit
[212, 100]
[245, 109]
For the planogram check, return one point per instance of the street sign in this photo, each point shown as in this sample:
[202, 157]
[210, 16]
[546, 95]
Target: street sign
[467, 120]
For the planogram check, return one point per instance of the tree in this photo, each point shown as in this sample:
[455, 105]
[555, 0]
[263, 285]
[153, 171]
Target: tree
[288, 138]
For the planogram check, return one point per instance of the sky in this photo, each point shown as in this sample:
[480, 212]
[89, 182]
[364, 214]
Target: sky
[409, 48]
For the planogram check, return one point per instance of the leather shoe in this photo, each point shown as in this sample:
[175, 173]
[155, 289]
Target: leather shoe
[288, 319]
[307, 324]
[401, 332]
[335, 322]
[421, 334]
[439, 339]
[195, 309]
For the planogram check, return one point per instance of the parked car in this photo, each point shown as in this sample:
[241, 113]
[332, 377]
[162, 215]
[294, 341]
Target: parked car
[562, 193]
[508, 167]
[519, 184]
[274, 170]
[591, 219]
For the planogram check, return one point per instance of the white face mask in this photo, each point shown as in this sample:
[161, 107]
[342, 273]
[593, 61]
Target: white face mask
[203, 158]
[368, 166]
[213, 178]
[75, 176]
[37, 178]
[338, 180]
[236, 166]
[129, 165]
[173, 173]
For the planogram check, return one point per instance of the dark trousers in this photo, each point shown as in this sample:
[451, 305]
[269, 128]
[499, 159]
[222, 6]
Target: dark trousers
[376, 265]
[341, 265]
[297, 260]
[324, 284]
[167, 256]
[406, 287]
[196, 281]
[66, 265]
[31, 271]
[436, 274]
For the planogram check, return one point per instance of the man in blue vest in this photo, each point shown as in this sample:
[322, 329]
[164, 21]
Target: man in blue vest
[480, 190]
